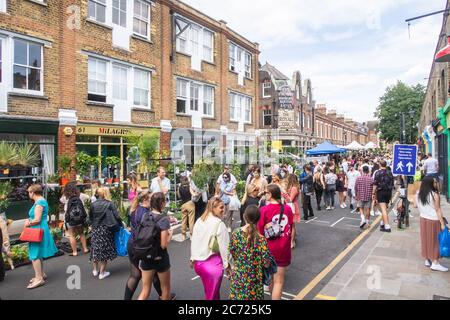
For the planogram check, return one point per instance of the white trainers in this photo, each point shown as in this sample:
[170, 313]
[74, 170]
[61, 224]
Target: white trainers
[104, 275]
[95, 273]
[438, 267]
[354, 210]
[332, 208]
[427, 263]
[378, 213]
[372, 214]
[345, 206]
[342, 206]
[328, 208]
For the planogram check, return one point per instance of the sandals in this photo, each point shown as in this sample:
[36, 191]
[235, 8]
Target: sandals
[45, 278]
[35, 285]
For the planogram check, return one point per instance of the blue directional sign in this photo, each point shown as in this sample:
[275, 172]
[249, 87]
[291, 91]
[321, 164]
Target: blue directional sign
[405, 160]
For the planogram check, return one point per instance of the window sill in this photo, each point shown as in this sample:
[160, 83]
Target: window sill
[101, 24]
[44, 3]
[234, 72]
[143, 109]
[184, 54]
[183, 115]
[27, 95]
[210, 63]
[142, 38]
[99, 104]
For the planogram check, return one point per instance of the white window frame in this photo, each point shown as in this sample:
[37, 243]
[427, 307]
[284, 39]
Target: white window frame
[264, 87]
[194, 99]
[208, 105]
[119, 83]
[137, 85]
[233, 57]
[239, 106]
[120, 10]
[2, 62]
[97, 3]
[180, 96]
[105, 81]
[200, 98]
[209, 47]
[142, 19]
[187, 37]
[27, 91]
[2, 5]
[248, 64]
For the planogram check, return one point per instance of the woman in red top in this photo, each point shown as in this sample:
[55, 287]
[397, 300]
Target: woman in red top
[280, 247]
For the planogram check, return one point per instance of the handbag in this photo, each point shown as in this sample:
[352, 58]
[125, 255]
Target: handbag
[32, 235]
[234, 204]
[213, 244]
[272, 230]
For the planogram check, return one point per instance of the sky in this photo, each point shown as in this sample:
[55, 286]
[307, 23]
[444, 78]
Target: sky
[352, 50]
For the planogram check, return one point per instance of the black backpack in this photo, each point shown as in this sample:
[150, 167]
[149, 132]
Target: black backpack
[147, 238]
[76, 215]
[385, 180]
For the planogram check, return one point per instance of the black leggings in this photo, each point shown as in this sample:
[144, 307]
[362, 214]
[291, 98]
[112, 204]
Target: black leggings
[319, 194]
[135, 277]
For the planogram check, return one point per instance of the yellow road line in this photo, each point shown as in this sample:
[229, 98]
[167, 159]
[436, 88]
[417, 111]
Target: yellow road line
[302, 294]
[323, 297]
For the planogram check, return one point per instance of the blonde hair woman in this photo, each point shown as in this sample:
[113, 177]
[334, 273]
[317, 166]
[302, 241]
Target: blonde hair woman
[207, 264]
[104, 219]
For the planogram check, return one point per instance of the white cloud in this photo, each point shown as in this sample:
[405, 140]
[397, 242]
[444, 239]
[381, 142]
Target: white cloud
[350, 49]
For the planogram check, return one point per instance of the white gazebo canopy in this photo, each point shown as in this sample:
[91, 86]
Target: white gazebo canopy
[370, 145]
[354, 146]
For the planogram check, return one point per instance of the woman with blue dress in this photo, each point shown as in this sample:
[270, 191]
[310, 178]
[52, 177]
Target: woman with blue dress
[37, 252]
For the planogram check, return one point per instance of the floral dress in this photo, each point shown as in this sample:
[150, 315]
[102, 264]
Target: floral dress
[247, 273]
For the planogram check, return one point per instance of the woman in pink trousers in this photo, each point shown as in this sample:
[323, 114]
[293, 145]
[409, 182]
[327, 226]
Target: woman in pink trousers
[209, 265]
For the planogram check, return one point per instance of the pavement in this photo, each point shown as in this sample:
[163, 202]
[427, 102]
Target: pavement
[320, 240]
[389, 266]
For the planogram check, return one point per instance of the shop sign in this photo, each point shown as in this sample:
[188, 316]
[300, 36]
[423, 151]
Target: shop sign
[286, 119]
[111, 131]
[68, 131]
[286, 98]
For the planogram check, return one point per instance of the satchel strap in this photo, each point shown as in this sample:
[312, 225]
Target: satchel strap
[281, 212]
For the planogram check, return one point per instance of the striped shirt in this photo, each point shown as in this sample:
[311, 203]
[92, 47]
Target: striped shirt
[363, 188]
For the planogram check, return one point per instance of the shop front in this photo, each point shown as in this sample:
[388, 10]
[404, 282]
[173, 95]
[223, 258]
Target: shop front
[108, 143]
[444, 146]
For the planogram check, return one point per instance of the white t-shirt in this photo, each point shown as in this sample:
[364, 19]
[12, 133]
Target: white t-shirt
[345, 166]
[428, 211]
[431, 166]
[233, 179]
[352, 176]
[154, 187]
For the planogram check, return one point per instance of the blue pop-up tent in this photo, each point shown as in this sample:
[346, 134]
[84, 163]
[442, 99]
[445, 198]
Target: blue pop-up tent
[325, 148]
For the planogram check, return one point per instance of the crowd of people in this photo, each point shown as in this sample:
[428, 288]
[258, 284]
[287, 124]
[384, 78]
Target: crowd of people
[256, 253]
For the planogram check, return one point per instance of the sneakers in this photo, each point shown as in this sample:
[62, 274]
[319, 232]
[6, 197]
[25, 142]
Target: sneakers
[328, 208]
[378, 213]
[95, 273]
[104, 275]
[354, 210]
[428, 263]
[362, 225]
[386, 230]
[332, 208]
[372, 214]
[351, 207]
[438, 267]
[345, 206]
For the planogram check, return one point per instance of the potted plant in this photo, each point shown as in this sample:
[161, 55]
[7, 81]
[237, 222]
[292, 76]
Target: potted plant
[20, 255]
[84, 163]
[8, 157]
[112, 163]
[65, 166]
[56, 234]
[26, 158]
[5, 190]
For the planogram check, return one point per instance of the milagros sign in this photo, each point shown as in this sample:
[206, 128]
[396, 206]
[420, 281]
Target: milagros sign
[286, 97]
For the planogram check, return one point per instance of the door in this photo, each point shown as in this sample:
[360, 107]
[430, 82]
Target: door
[195, 109]
[443, 161]
[3, 93]
[122, 110]
[120, 17]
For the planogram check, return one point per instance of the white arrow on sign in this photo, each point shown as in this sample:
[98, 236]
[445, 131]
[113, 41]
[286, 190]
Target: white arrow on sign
[400, 166]
[410, 166]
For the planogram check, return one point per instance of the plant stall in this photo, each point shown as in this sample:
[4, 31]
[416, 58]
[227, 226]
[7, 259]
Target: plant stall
[65, 168]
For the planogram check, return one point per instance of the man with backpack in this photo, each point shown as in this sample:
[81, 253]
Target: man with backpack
[382, 193]
[307, 190]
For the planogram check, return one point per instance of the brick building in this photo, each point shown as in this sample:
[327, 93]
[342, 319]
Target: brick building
[287, 108]
[337, 129]
[86, 74]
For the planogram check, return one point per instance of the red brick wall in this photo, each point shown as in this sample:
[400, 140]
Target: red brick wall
[67, 144]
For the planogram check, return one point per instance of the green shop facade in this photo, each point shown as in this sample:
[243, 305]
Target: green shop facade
[443, 137]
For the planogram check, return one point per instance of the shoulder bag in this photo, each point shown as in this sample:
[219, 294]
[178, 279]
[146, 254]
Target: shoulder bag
[213, 244]
[272, 230]
[32, 235]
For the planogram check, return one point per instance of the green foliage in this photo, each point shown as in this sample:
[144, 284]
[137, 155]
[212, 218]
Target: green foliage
[8, 153]
[27, 156]
[19, 253]
[147, 148]
[84, 163]
[53, 178]
[236, 170]
[112, 161]
[65, 164]
[398, 99]
[56, 234]
[5, 189]
[240, 189]
[205, 173]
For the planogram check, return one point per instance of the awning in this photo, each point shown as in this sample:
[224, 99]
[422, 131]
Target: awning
[354, 146]
[325, 148]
